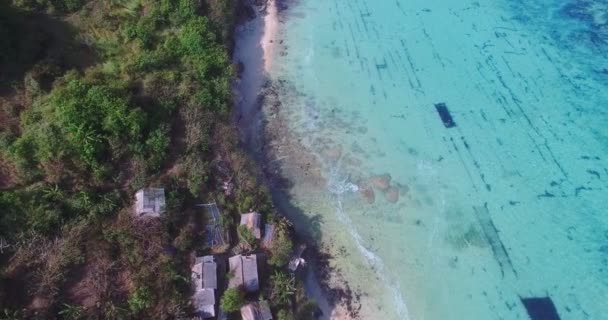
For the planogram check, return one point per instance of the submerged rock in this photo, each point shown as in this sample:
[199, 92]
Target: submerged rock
[381, 182]
[367, 194]
[392, 194]
[333, 153]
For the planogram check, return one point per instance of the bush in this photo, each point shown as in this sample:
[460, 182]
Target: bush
[140, 300]
[246, 236]
[232, 300]
[196, 174]
[157, 145]
[95, 118]
[72, 312]
[281, 249]
[285, 315]
[283, 288]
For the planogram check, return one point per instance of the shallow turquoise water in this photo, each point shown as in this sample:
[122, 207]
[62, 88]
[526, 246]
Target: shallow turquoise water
[510, 203]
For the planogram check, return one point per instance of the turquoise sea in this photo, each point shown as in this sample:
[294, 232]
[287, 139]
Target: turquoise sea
[507, 203]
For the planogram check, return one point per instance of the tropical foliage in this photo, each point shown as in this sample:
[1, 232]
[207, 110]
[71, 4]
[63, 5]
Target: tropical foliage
[232, 300]
[99, 98]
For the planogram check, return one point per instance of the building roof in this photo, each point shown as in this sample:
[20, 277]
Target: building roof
[256, 311]
[150, 202]
[268, 235]
[253, 221]
[244, 272]
[204, 273]
[204, 303]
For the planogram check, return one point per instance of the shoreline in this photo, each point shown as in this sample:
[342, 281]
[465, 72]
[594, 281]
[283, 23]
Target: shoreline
[260, 132]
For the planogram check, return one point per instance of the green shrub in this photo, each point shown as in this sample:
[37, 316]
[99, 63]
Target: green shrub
[283, 288]
[12, 217]
[232, 300]
[157, 145]
[285, 315]
[246, 236]
[281, 249]
[69, 5]
[196, 171]
[140, 300]
[72, 312]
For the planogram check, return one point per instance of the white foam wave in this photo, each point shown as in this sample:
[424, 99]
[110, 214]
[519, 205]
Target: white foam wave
[338, 187]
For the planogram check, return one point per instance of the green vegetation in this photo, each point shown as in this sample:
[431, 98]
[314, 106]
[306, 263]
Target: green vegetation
[281, 248]
[232, 300]
[285, 315]
[248, 240]
[99, 98]
[283, 288]
[72, 312]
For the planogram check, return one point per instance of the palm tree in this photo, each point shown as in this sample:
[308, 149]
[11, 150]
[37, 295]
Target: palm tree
[11, 315]
[283, 287]
[72, 312]
[283, 224]
[53, 193]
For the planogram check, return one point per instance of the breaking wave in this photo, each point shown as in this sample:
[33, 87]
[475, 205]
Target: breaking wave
[338, 187]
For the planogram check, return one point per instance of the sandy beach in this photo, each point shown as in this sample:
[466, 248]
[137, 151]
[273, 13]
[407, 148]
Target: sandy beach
[256, 45]
[271, 25]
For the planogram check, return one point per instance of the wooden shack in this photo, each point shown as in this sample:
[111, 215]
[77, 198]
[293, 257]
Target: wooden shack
[204, 280]
[244, 272]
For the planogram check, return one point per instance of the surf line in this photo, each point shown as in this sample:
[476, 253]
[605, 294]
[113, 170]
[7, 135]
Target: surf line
[374, 261]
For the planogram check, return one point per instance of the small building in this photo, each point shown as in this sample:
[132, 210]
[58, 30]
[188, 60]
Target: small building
[204, 280]
[244, 272]
[204, 273]
[256, 311]
[204, 303]
[150, 202]
[268, 235]
[253, 221]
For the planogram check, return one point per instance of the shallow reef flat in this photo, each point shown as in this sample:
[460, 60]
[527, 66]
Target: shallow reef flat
[455, 152]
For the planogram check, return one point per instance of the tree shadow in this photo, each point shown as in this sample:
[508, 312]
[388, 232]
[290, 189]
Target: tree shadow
[37, 46]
